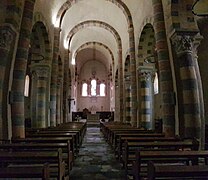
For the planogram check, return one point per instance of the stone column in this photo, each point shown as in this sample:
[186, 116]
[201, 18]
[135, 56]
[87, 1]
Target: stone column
[165, 74]
[20, 66]
[58, 102]
[190, 122]
[121, 87]
[127, 99]
[54, 73]
[33, 102]
[39, 96]
[66, 87]
[146, 97]
[133, 77]
[7, 39]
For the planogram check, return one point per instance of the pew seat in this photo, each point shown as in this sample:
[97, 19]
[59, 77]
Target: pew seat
[176, 171]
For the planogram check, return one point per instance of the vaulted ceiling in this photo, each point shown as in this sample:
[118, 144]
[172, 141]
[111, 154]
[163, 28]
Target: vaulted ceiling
[101, 25]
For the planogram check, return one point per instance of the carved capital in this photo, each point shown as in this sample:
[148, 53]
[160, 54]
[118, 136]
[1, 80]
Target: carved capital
[6, 37]
[182, 43]
[146, 76]
[42, 72]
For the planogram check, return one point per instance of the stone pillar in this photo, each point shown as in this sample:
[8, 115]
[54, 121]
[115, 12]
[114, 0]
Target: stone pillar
[66, 87]
[7, 39]
[197, 40]
[127, 99]
[54, 77]
[33, 102]
[58, 102]
[146, 97]
[165, 74]
[190, 122]
[39, 96]
[133, 77]
[121, 87]
[20, 66]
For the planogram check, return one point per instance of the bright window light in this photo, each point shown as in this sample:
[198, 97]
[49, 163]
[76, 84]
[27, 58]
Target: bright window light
[156, 85]
[84, 89]
[102, 89]
[93, 87]
[27, 83]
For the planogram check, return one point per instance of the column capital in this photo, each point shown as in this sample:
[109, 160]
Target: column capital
[183, 41]
[41, 71]
[146, 73]
[7, 34]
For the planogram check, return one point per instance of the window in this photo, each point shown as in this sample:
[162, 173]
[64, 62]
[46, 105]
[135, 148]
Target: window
[156, 85]
[102, 89]
[93, 87]
[27, 83]
[84, 89]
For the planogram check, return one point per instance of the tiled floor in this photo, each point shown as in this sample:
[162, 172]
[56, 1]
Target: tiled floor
[96, 160]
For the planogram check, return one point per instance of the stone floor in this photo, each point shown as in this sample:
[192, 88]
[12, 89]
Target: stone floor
[96, 160]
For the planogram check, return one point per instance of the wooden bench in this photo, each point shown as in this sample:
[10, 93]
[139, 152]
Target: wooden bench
[45, 147]
[47, 140]
[42, 172]
[118, 135]
[177, 171]
[51, 134]
[141, 138]
[16, 159]
[130, 148]
[165, 157]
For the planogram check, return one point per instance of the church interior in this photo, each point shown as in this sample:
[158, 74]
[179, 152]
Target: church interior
[103, 89]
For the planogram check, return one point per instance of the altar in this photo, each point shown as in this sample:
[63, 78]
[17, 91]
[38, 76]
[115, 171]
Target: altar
[93, 117]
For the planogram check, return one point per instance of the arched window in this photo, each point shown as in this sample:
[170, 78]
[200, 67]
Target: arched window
[102, 89]
[156, 85]
[27, 84]
[93, 87]
[84, 89]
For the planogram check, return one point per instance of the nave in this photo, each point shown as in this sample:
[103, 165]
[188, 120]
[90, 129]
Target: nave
[96, 160]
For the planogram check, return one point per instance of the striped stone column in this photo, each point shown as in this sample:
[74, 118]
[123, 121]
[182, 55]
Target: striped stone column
[20, 66]
[66, 87]
[165, 74]
[8, 36]
[146, 98]
[39, 96]
[133, 77]
[33, 97]
[190, 122]
[58, 102]
[121, 87]
[54, 74]
[127, 99]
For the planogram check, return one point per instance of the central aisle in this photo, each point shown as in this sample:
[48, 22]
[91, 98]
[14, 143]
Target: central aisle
[96, 160]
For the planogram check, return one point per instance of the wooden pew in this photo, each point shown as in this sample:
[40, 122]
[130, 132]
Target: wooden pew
[118, 135]
[55, 132]
[16, 159]
[143, 138]
[71, 127]
[45, 147]
[42, 172]
[183, 157]
[128, 155]
[46, 140]
[177, 171]
[113, 133]
[51, 134]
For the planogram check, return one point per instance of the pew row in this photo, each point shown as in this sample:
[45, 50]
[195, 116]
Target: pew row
[130, 148]
[41, 172]
[18, 159]
[192, 158]
[176, 171]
